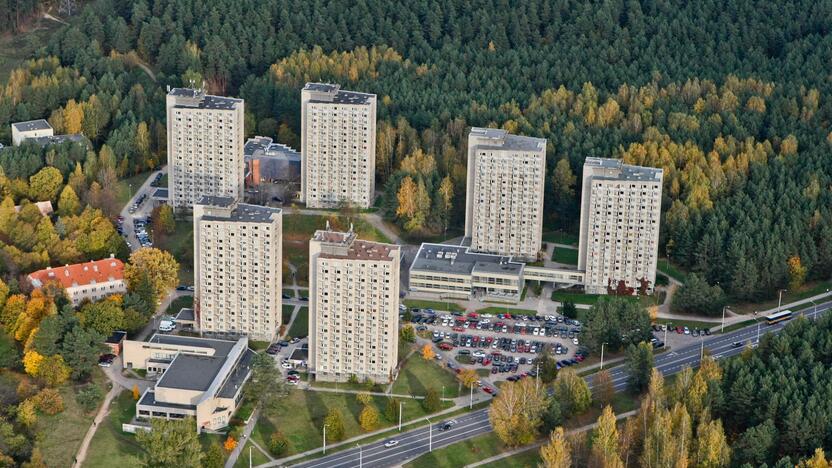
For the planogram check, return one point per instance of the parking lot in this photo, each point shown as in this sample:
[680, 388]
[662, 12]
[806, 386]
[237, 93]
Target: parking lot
[505, 345]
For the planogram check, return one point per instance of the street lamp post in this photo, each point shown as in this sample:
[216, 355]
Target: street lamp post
[360, 456]
[400, 415]
[471, 404]
[324, 439]
[602, 354]
[814, 309]
[666, 327]
[780, 298]
[430, 434]
[722, 328]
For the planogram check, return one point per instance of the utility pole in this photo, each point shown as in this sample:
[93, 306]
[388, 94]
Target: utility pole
[249, 456]
[360, 456]
[471, 404]
[400, 415]
[324, 439]
[780, 299]
[430, 434]
[666, 326]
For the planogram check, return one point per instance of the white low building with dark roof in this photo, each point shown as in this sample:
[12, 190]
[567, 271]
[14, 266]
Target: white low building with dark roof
[198, 377]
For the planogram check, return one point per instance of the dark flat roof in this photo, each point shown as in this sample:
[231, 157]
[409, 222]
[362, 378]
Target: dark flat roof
[237, 376]
[337, 95]
[458, 259]
[501, 139]
[244, 213]
[116, 337]
[300, 354]
[191, 372]
[31, 125]
[615, 169]
[194, 98]
[161, 194]
[186, 314]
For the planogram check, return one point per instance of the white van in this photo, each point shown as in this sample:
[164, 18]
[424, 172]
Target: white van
[167, 325]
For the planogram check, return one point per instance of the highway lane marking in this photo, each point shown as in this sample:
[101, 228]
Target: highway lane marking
[478, 417]
[439, 444]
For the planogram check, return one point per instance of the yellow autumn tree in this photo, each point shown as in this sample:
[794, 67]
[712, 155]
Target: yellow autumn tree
[158, 265]
[605, 441]
[797, 272]
[557, 452]
[711, 450]
[368, 418]
[468, 377]
[136, 392]
[515, 414]
[406, 198]
[73, 117]
[230, 443]
[31, 362]
[427, 352]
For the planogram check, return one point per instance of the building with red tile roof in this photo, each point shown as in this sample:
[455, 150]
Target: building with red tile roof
[91, 280]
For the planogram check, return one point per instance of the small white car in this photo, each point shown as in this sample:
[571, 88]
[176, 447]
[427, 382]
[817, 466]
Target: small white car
[391, 443]
[575, 341]
[286, 365]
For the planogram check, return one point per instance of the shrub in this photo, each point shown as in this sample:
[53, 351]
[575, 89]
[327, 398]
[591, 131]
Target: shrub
[89, 396]
[49, 401]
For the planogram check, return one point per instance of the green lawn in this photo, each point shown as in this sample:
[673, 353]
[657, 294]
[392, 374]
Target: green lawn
[506, 310]
[181, 245]
[60, 446]
[436, 305]
[737, 326]
[300, 416]
[417, 375]
[286, 314]
[807, 290]
[180, 302]
[471, 451]
[671, 270]
[257, 457]
[566, 256]
[110, 446]
[560, 237]
[300, 327]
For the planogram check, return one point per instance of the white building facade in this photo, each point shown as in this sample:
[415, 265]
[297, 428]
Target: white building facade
[238, 268]
[338, 138]
[504, 200]
[205, 146]
[620, 217]
[353, 307]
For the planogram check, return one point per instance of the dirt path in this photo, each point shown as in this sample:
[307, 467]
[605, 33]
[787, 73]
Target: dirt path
[102, 413]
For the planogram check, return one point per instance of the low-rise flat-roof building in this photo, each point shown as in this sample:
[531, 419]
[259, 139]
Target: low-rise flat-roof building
[33, 128]
[268, 162]
[198, 377]
[456, 272]
[91, 280]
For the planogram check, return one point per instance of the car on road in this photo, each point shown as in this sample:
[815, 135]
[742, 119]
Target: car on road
[737, 344]
[391, 443]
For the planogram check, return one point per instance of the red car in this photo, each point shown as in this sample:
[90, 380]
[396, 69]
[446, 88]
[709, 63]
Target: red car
[458, 329]
[680, 330]
[473, 315]
[486, 362]
[488, 390]
[445, 346]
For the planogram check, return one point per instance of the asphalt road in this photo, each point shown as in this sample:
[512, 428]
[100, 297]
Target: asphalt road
[411, 444]
[414, 443]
